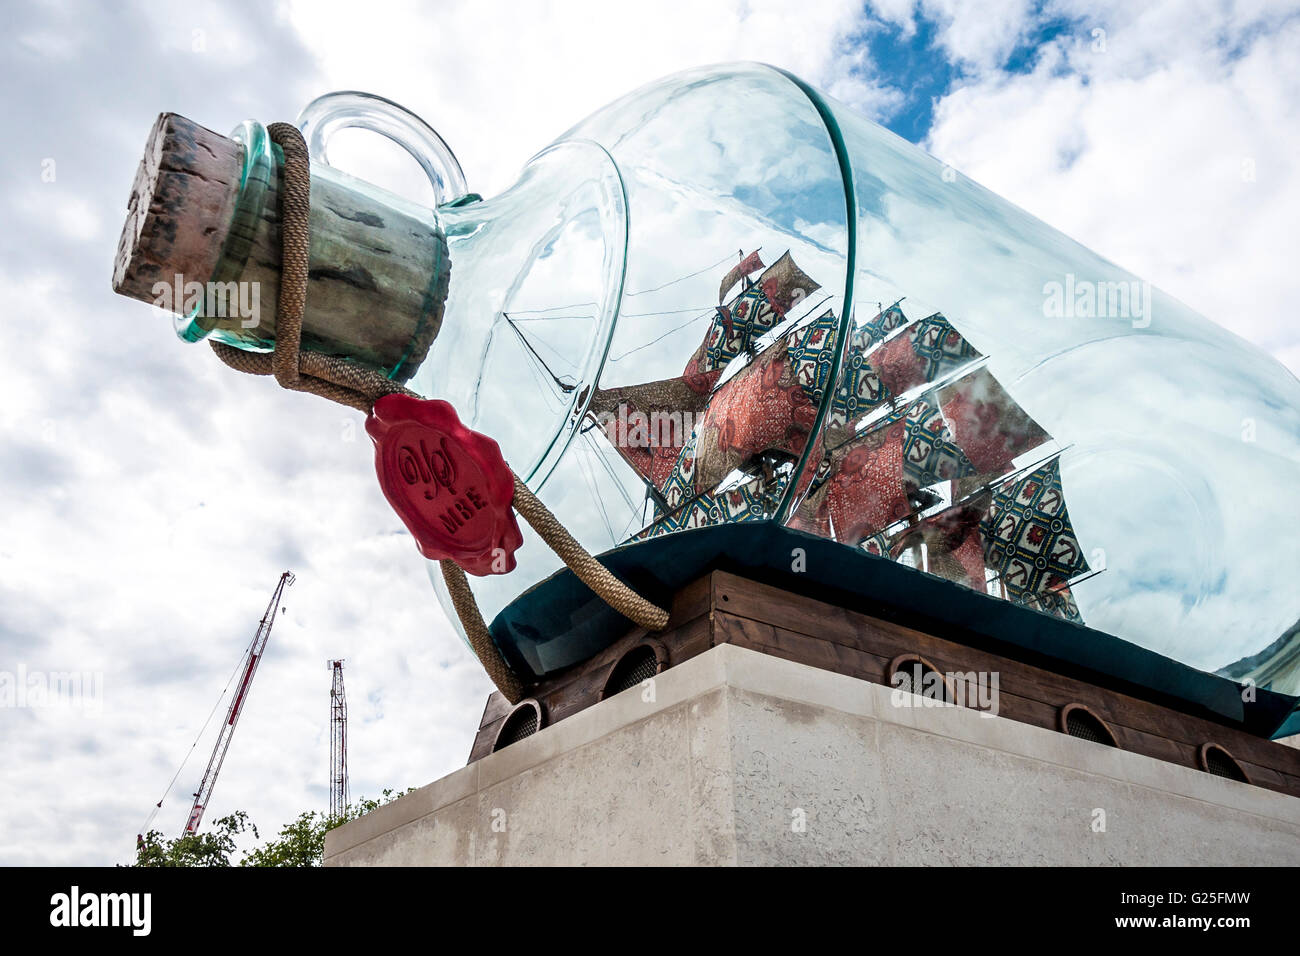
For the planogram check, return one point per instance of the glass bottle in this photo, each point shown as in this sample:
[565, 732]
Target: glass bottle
[726, 298]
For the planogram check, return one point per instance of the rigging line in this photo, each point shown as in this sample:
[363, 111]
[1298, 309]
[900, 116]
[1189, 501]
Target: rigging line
[543, 386]
[589, 477]
[539, 315]
[202, 730]
[557, 353]
[595, 448]
[633, 520]
[563, 387]
[748, 477]
[705, 315]
[609, 470]
[692, 275]
[881, 309]
[650, 488]
[1071, 582]
[709, 309]
[1059, 589]
[645, 500]
[554, 308]
[549, 318]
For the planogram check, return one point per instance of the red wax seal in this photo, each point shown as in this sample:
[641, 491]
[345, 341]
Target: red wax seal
[449, 484]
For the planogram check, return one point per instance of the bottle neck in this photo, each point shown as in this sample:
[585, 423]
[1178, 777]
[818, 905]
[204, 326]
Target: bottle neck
[379, 268]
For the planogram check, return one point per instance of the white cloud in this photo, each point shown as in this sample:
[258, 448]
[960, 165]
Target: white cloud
[152, 497]
[979, 36]
[499, 91]
[1163, 153]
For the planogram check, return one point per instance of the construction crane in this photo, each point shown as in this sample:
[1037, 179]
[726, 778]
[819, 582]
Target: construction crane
[252, 657]
[338, 744]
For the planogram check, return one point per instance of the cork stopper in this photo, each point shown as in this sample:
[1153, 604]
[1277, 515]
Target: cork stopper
[181, 206]
[378, 265]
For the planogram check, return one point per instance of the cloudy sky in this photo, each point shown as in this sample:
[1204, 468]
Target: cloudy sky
[153, 497]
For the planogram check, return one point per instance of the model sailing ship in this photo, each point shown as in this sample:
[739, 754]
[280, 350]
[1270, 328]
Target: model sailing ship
[916, 458]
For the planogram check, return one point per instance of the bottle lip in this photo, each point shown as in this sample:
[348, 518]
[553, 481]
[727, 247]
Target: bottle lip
[564, 182]
[613, 275]
[256, 173]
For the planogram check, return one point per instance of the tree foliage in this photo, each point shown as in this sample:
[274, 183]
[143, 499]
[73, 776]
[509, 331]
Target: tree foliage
[299, 843]
[211, 848]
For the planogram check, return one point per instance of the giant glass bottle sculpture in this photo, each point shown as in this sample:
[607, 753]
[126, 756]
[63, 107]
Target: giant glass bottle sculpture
[727, 299]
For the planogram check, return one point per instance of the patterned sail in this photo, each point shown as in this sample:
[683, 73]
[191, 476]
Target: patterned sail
[872, 333]
[649, 423]
[861, 391]
[936, 426]
[1029, 541]
[879, 368]
[859, 488]
[770, 405]
[876, 478]
[985, 421]
[928, 350]
[753, 499]
[659, 407]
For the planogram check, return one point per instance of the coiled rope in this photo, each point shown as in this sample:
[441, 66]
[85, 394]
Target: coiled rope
[359, 387]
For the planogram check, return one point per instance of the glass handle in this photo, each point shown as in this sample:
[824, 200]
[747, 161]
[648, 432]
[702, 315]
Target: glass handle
[324, 116]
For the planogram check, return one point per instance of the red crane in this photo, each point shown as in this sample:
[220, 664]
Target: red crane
[252, 657]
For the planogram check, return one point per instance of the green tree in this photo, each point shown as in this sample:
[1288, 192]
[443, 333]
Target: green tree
[211, 848]
[299, 843]
[302, 842]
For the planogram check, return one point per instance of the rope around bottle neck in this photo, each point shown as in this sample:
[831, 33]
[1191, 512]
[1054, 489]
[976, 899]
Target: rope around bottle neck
[359, 387]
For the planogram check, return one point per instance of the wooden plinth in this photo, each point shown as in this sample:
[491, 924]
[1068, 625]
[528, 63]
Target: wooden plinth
[722, 608]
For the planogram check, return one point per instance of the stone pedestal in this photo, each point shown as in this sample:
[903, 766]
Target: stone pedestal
[738, 757]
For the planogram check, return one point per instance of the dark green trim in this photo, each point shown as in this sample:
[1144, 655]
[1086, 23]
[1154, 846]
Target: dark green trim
[850, 265]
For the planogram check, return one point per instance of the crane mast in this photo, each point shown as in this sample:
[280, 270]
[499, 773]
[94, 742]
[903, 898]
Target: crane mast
[338, 744]
[253, 657]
